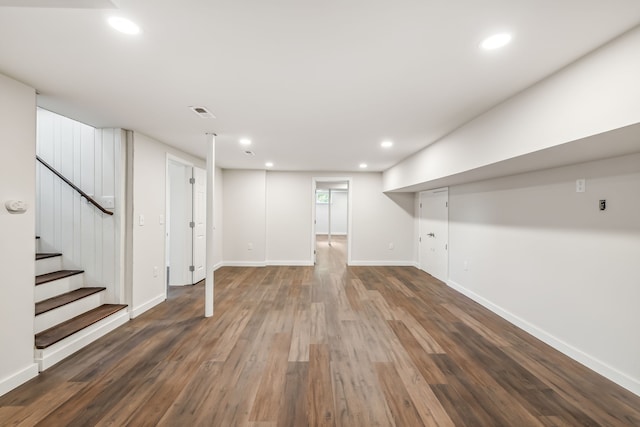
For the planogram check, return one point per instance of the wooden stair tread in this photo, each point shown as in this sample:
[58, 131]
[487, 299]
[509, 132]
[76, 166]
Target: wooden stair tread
[66, 298]
[59, 332]
[49, 277]
[43, 255]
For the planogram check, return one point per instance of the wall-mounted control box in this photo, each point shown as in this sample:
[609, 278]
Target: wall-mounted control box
[603, 204]
[16, 206]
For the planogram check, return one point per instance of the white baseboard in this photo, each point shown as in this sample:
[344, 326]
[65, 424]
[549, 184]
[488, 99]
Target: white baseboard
[218, 265]
[301, 263]
[51, 355]
[14, 380]
[620, 378]
[244, 264]
[137, 311]
[390, 263]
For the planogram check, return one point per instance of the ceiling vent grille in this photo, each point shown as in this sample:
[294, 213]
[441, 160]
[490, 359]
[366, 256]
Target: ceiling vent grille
[203, 112]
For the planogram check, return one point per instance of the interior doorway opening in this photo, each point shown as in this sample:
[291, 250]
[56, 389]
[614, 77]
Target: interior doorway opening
[331, 221]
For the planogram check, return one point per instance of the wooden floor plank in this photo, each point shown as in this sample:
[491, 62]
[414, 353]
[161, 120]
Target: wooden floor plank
[294, 410]
[402, 407]
[266, 404]
[324, 345]
[320, 392]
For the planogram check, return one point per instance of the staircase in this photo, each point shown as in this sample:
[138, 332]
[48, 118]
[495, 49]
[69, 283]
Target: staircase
[68, 315]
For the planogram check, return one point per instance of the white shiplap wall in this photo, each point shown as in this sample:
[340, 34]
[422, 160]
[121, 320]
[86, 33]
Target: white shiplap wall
[66, 222]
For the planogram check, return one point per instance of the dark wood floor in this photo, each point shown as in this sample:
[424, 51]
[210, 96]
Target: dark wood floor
[330, 345]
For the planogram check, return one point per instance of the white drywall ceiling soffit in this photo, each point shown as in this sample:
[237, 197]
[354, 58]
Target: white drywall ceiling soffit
[63, 4]
[284, 89]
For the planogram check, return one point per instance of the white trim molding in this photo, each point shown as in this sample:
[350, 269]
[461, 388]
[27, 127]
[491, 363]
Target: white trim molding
[9, 383]
[389, 263]
[244, 264]
[137, 311]
[301, 263]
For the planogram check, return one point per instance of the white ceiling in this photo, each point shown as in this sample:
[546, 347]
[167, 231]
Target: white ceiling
[314, 85]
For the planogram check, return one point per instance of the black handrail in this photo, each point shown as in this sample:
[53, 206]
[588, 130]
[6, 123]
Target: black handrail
[75, 187]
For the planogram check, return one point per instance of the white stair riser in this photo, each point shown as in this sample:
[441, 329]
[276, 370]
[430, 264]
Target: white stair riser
[48, 265]
[68, 311]
[57, 287]
[51, 355]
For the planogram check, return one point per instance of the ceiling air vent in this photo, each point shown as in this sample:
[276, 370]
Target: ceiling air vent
[203, 112]
[249, 153]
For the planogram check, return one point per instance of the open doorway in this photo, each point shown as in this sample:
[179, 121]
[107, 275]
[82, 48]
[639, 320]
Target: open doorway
[185, 251]
[331, 220]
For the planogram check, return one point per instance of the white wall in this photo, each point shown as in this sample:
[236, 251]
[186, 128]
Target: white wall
[339, 214]
[66, 222]
[596, 94]
[148, 240]
[289, 209]
[546, 258]
[381, 220]
[378, 219]
[17, 245]
[244, 217]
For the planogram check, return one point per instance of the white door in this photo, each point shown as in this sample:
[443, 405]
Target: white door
[434, 233]
[178, 223]
[200, 224]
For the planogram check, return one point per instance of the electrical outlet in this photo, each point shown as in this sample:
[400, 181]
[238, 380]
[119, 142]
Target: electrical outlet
[465, 266]
[141, 220]
[155, 271]
[581, 185]
[391, 246]
[250, 246]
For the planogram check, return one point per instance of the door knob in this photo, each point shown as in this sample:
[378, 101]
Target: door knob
[431, 235]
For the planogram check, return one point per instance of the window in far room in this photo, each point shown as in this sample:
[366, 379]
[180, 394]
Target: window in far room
[322, 196]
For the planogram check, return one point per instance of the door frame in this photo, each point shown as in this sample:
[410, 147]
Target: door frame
[422, 232]
[167, 214]
[314, 186]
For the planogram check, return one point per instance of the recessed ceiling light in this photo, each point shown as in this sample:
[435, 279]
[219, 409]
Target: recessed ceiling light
[269, 164]
[386, 144]
[124, 25]
[245, 141]
[363, 165]
[496, 41]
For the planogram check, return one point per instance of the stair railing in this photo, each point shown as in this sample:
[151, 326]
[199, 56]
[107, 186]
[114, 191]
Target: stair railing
[75, 187]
